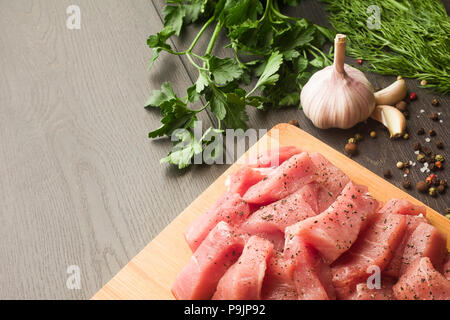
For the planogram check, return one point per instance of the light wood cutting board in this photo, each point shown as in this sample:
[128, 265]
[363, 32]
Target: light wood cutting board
[151, 273]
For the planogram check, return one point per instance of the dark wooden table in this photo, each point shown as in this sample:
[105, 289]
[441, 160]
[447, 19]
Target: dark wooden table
[80, 183]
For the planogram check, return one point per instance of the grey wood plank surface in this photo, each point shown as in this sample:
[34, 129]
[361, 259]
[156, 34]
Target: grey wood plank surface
[81, 183]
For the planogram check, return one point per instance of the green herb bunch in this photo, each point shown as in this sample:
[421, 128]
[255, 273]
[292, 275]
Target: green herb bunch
[274, 52]
[413, 38]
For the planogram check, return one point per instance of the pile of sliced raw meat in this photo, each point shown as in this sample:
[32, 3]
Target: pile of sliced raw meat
[303, 230]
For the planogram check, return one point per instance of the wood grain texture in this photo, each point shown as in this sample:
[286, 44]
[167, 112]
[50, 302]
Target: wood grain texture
[151, 273]
[81, 183]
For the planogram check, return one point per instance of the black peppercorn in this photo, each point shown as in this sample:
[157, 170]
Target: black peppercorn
[435, 102]
[406, 184]
[431, 133]
[440, 189]
[417, 146]
[439, 145]
[387, 173]
[434, 116]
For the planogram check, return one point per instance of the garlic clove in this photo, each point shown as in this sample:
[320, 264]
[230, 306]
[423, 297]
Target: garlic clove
[391, 94]
[391, 118]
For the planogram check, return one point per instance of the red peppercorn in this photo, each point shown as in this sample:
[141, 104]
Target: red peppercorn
[359, 61]
[413, 96]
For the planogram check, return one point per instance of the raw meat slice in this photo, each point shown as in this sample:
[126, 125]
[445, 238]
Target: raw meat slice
[312, 276]
[446, 267]
[375, 247]
[393, 268]
[244, 279]
[244, 178]
[282, 213]
[230, 208]
[421, 281]
[425, 241]
[278, 283]
[272, 157]
[362, 291]
[277, 238]
[400, 206]
[333, 231]
[331, 178]
[199, 278]
[290, 176]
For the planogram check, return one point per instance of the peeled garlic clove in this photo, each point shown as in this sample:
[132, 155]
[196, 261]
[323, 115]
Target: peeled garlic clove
[391, 118]
[338, 96]
[391, 95]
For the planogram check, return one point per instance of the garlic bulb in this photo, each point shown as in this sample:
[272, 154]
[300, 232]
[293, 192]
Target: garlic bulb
[338, 96]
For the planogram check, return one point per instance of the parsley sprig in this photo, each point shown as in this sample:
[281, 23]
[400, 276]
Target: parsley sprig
[277, 53]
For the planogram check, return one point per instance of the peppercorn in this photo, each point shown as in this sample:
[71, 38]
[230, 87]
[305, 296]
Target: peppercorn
[421, 131]
[439, 145]
[406, 114]
[438, 164]
[399, 77]
[440, 189]
[422, 186]
[432, 191]
[351, 140]
[351, 148]
[358, 137]
[387, 173]
[406, 136]
[359, 61]
[433, 167]
[423, 82]
[421, 157]
[439, 157]
[434, 116]
[443, 182]
[400, 165]
[413, 96]
[417, 146]
[294, 123]
[429, 179]
[401, 105]
[373, 134]
[431, 133]
[406, 184]
[435, 102]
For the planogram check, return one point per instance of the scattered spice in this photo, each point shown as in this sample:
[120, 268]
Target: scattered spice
[401, 105]
[421, 157]
[351, 140]
[406, 136]
[294, 123]
[435, 102]
[439, 157]
[438, 164]
[421, 131]
[399, 77]
[387, 173]
[406, 114]
[413, 96]
[422, 186]
[359, 61]
[373, 134]
[431, 133]
[434, 116]
[417, 146]
[440, 189]
[406, 184]
[439, 145]
[432, 191]
[358, 137]
[351, 148]
[400, 165]
[423, 82]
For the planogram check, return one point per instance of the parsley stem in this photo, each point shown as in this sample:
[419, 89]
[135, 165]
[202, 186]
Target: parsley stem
[195, 64]
[214, 36]
[194, 42]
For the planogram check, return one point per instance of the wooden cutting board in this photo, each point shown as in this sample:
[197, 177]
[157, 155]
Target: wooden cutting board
[151, 273]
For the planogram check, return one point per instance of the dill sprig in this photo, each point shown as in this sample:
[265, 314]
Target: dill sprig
[413, 38]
